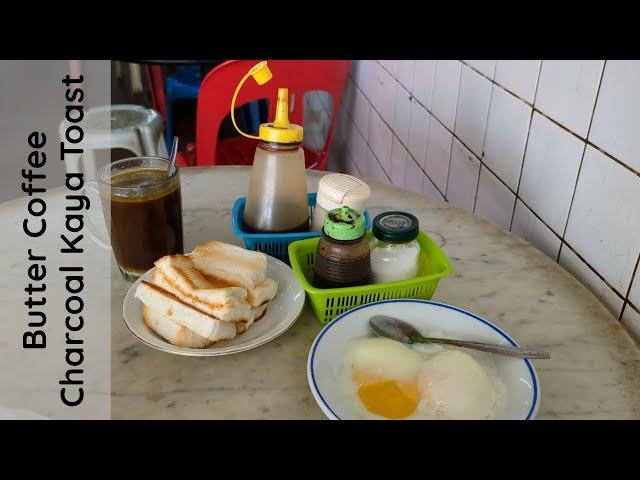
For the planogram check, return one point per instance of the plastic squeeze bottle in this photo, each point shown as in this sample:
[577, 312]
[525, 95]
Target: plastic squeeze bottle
[277, 199]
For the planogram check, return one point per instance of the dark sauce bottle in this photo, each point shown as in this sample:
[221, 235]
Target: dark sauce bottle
[342, 257]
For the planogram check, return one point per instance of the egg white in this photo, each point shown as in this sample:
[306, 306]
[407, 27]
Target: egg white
[453, 383]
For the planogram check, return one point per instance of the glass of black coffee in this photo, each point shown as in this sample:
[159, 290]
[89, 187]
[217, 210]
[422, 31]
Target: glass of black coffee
[143, 206]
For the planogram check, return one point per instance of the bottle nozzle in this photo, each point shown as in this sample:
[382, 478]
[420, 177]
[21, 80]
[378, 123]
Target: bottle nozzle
[282, 109]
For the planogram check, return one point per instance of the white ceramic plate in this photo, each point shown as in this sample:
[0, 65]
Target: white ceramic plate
[283, 311]
[325, 356]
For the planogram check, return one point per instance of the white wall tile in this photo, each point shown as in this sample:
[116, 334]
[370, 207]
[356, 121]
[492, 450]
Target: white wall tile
[494, 201]
[550, 169]
[365, 160]
[631, 321]
[438, 154]
[401, 115]
[429, 189]
[486, 67]
[413, 177]
[463, 177]
[634, 294]
[567, 91]
[380, 138]
[445, 91]
[616, 121]
[423, 75]
[527, 226]
[418, 132]
[353, 139]
[506, 137]
[377, 85]
[519, 77]
[604, 225]
[367, 77]
[348, 96]
[374, 170]
[405, 73]
[358, 148]
[391, 65]
[361, 113]
[399, 156]
[388, 102]
[582, 272]
[352, 169]
[473, 106]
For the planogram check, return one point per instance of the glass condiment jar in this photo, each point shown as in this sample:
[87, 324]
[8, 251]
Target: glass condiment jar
[395, 252]
[342, 257]
[336, 190]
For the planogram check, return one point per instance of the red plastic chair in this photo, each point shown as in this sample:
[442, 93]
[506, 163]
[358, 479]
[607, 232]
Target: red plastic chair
[214, 100]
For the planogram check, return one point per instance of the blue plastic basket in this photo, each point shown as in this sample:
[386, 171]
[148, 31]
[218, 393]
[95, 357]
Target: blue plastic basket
[274, 244]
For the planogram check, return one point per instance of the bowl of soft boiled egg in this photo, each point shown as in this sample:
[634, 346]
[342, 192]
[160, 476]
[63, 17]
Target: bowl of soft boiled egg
[355, 375]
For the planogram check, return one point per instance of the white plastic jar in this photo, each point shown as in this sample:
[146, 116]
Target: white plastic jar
[337, 190]
[395, 251]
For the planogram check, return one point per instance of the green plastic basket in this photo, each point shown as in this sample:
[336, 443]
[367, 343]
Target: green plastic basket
[328, 303]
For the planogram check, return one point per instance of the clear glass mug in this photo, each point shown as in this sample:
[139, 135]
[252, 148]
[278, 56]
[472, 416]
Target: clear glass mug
[143, 210]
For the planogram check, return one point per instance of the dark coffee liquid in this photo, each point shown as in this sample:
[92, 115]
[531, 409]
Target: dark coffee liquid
[146, 218]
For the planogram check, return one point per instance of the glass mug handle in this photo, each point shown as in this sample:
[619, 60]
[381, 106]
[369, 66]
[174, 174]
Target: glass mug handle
[92, 192]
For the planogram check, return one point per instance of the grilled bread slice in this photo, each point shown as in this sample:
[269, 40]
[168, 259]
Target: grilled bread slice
[263, 293]
[257, 312]
[186, 315]
[171, 331]
[204, 299]
[181, 271]
[230, 263]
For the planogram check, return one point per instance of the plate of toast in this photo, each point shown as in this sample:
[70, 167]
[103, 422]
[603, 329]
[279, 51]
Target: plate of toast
[219, 299]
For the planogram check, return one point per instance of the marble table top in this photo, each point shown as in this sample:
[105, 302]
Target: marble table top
[594, 371]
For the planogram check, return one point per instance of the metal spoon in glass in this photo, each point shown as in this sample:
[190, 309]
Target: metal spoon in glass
[172, 158]
[396, 329]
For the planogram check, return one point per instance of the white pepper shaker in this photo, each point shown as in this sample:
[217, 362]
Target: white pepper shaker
[336, 190]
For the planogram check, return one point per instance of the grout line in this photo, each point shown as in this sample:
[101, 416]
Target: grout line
[598, 274]
[453, 135]
[626, 299]
[506, 89]
[584, 152]
[484, 141]
[372, 107]
[524, 153]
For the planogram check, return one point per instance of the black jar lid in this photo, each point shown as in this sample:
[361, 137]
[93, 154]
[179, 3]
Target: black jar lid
[395, 227]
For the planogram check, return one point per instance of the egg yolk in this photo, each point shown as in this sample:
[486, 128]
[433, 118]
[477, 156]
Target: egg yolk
[388, 398]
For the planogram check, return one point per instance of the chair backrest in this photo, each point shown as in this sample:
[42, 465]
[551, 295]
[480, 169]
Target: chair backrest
[299, 76]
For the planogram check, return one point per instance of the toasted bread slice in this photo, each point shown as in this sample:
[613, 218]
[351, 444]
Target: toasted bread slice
[229, 263]
[235, 311]
[181, 271]
[263, 293]
[188, 316]
[257, 312]
[171, 331]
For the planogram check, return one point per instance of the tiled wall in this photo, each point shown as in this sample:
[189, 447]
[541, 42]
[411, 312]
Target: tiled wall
[547, 149]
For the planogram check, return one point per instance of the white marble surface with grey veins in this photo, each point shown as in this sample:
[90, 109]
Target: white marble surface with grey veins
[594, 371]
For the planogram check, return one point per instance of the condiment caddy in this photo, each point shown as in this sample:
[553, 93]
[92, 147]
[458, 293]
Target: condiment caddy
[274, 244]
[328, 303]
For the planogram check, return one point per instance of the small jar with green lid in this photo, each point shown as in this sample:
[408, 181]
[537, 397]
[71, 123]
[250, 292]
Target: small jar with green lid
[395, 252]
[342, 258]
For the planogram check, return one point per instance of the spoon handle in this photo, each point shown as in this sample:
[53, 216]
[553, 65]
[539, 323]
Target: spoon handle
[507, 350]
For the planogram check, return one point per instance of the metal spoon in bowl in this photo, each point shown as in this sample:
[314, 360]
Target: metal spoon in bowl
[172, 158]
[396, 329]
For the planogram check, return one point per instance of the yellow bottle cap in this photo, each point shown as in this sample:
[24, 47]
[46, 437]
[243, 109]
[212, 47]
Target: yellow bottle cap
[280, 130]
